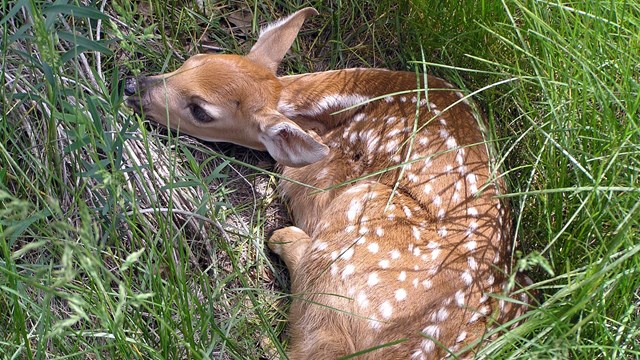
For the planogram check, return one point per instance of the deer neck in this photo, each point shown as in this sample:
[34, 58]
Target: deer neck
[327, 100]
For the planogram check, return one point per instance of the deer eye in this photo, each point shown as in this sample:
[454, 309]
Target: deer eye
[200, 114]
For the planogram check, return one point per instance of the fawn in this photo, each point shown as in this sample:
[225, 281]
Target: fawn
[402, 251]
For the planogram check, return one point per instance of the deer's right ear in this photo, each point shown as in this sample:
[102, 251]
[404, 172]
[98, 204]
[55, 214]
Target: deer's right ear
[288, 144]
[276, 39]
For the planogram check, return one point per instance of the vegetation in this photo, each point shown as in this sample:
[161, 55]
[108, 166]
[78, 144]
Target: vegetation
[120, 240]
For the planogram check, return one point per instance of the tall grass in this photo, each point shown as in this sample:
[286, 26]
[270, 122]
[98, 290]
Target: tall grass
[118, 240]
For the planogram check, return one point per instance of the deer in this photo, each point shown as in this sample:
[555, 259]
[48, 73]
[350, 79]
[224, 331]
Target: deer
[401, 244]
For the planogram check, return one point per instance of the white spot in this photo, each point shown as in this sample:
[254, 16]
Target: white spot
[435, 253]
[451, 143]
[348, 270]
[384, 264]
[347, 254]
[483, 299]
[334, 255]
[491, 280]
[433, 106]
[416, 232]
[403, 99]
[363, 230]
[471, 245]
[475, 317]
[393, 132]
[417, 251]
[427, 189]
[401, 294]
[423, 102]
[448, 169]
[423, 140]
[432, 331]
[353, 137]
[461, 337]
[407, 211]
[379, 231]
[437, 200]
[472, 178]
[372, 143]
[388, 99]
[415, 282]
[442, 231]
[473, 226]
[413, 177]
[391, 146]
[444, 133]
[442, 315]
[426, 284]
[373, 247]
[467, 278]
[460, 157]
[349, 229]
[473, 265]
[361, 240]
[414, 100]
[386, 309]
[459, 297]
[395, 254]
[441, 214]
[373, 279]
[355, 207]
[427, 346]
[402, 276]
[334, 269]
[362, 299]
[442, 121]
[321, 245]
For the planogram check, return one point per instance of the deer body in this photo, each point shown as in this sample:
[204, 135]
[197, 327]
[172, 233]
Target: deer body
[407, 242]
[420, 259]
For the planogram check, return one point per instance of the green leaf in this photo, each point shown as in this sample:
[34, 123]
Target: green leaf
[83, 42]
[73, 10]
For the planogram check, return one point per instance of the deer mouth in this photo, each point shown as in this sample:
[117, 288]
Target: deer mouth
[137, 103]
[136, 97]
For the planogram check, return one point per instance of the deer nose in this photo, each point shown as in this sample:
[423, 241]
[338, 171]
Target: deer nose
[130, 86]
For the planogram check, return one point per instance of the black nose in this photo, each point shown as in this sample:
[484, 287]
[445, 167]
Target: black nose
[130, 86]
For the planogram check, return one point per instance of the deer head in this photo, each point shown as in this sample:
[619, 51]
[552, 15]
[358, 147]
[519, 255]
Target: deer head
[231, 98]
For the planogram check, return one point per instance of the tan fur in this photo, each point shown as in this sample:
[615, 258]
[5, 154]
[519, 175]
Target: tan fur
[408, 253]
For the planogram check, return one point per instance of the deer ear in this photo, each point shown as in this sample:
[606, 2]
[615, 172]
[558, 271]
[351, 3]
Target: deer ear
[276, 39]
[289, 145]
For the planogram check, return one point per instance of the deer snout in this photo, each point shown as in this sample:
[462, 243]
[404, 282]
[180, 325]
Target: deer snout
[134, 89]
[130, 86]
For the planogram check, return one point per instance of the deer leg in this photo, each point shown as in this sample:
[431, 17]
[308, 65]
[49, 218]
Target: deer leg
[290, 244]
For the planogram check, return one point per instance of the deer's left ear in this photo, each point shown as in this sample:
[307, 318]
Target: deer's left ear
[288, 144]
[276, 39]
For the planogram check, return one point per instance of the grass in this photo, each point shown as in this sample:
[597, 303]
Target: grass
[104, 252]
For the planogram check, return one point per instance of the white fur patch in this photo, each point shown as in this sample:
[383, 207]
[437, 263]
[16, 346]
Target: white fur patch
[335, 102]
